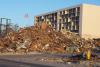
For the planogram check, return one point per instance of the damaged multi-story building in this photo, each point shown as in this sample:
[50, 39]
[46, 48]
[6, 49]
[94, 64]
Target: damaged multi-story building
[83, 19]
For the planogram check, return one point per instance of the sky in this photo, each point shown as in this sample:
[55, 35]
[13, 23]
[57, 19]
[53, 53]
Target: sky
[22, 12]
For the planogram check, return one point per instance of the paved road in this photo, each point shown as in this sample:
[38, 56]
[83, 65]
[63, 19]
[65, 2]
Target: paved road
[25, 61]
[20, 61]
[32, 61]
[10, 63]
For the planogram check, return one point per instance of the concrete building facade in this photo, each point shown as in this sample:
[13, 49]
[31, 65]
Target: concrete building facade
[83, 19]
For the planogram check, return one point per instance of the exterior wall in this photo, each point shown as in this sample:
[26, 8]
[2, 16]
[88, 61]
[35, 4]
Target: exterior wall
[90, 21]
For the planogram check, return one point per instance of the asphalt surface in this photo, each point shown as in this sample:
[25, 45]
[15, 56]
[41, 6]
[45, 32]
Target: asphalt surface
[25, 61]
[34, 60]
[20, 61]
[10, 63]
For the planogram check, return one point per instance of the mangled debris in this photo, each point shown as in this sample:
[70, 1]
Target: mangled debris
[44, 39]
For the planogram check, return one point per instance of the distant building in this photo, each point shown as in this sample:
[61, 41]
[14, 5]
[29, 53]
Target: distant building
[83, 19]
[4, 25]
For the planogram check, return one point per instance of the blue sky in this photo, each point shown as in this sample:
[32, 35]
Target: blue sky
[17, 9]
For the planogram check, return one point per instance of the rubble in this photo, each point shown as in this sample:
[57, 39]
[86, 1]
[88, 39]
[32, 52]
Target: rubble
[44, 39]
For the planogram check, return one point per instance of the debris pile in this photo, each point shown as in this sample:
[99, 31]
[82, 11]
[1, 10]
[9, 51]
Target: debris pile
[43, 39]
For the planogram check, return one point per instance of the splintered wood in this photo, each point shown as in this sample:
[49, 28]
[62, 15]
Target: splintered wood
[44, 39]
